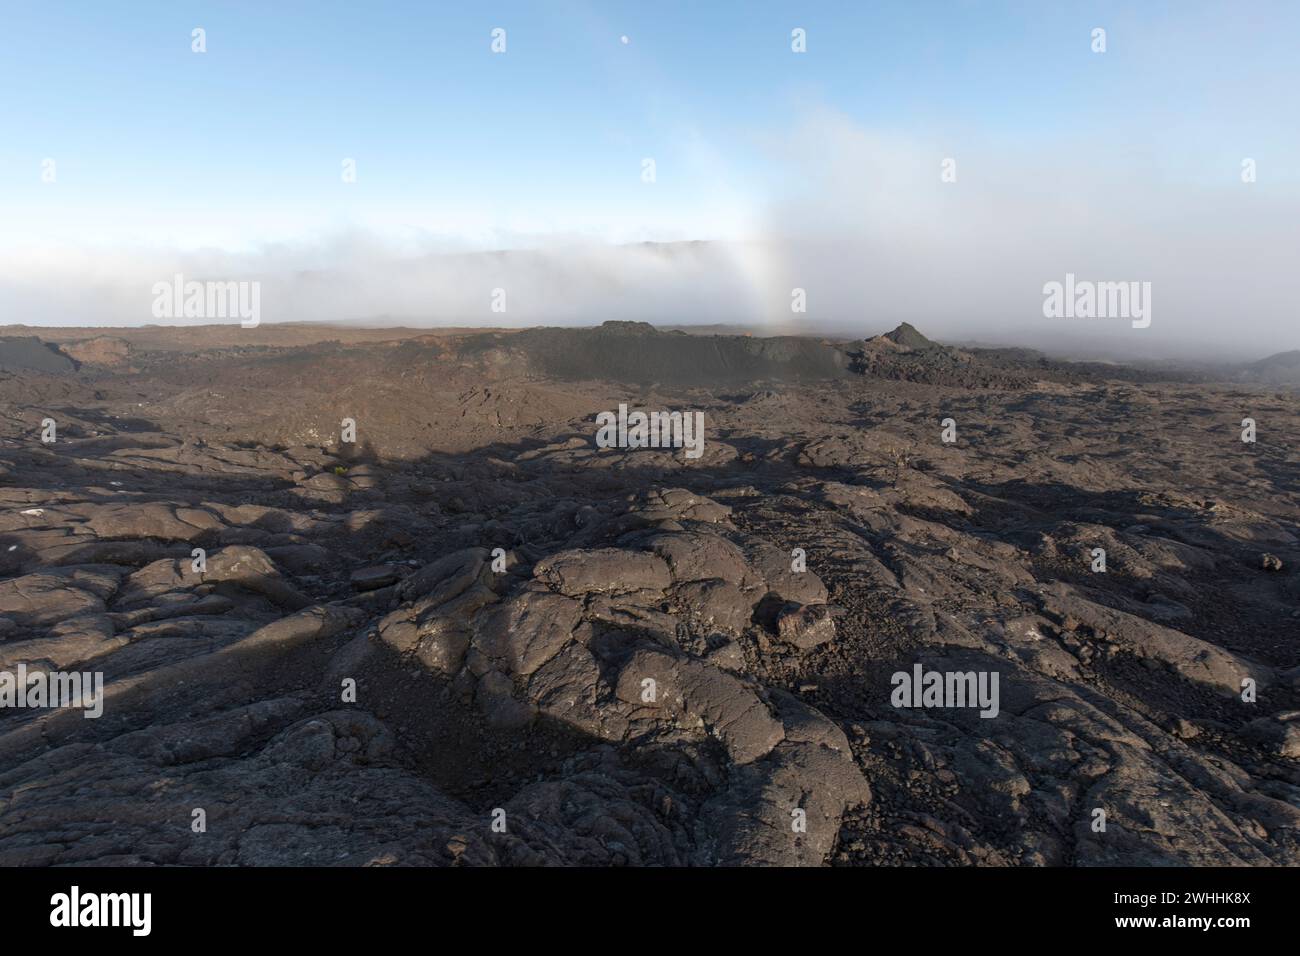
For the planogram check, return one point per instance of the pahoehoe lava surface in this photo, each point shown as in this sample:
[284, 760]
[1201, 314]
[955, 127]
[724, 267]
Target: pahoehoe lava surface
[351, 676]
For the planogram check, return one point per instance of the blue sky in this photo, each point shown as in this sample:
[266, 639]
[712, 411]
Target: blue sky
[552, 133]
[1127, 162]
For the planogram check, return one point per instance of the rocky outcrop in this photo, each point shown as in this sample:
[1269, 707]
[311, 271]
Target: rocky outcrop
[476, 638]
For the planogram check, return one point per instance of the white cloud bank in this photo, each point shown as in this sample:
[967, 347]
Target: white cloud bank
[864, 224]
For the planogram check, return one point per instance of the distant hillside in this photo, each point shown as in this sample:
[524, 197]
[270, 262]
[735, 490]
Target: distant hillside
[31, 354]
[637, 352]
[1280, 369]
